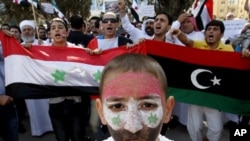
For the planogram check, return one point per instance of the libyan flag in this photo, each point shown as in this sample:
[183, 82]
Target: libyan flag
[214, 79]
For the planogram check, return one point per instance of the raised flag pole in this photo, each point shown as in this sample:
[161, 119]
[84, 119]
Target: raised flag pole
[34, 16]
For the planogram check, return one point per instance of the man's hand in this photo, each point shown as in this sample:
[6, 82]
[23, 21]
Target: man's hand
[4, 100]
[245, 52]
[96, 51]
[183, 17]
[27, 45]
[175, 32]
[8, 33]
[40, 41]
[122, 7]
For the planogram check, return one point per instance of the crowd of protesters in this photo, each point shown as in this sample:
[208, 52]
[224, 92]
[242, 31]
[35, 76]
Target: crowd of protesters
[71, 117]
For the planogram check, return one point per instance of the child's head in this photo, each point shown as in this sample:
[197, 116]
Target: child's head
[133, 98]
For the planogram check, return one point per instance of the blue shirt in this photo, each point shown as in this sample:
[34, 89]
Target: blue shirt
[2, 78]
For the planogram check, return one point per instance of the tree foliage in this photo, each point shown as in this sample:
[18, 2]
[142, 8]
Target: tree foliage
[173, 7]
[13, 13]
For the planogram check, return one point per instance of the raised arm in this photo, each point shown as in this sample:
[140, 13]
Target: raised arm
[182, 37]
[134, 32]
[246, 7]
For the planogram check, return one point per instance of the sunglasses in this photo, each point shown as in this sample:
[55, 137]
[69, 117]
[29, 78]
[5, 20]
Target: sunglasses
[106, 20]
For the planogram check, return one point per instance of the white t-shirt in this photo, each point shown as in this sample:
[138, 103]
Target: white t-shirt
[162, 138]
[105, 44]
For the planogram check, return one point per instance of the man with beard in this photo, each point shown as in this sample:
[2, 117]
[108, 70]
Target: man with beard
[37, 109]
[214, 31]
[133, 99]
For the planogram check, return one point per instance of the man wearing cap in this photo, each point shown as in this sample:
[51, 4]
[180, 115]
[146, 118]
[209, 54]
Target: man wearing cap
[38, 109]
[28, 33]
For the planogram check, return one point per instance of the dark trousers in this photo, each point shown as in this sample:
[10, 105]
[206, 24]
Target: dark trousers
[69, 120]
[8, 123]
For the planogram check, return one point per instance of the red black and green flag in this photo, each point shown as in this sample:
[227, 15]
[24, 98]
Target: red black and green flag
[208, 78]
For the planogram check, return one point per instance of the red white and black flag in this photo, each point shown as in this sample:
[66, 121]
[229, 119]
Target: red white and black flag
[42, 71]
[203, 12]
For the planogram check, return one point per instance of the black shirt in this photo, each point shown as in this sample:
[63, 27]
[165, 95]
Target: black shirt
[77, 37]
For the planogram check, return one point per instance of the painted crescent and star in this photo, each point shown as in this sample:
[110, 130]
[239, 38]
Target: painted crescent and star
[194, 81]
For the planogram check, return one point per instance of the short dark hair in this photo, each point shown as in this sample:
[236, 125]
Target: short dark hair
[94, 18]
[76, 21]
[5, 24]
[41, 27]
[16, 27]
[216, 23]
[170, 19]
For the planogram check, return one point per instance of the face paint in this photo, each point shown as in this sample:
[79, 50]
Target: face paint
[132, 101]
[133, 106]
[132, 84]
[132, 115]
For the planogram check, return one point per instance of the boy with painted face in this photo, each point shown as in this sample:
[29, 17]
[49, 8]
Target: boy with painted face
[133, 101]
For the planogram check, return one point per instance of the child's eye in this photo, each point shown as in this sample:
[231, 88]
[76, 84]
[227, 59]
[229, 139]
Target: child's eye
[117, 107]
[148, 106]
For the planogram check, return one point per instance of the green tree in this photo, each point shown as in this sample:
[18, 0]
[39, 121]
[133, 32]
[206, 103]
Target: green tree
[173, 7]
[13, 14]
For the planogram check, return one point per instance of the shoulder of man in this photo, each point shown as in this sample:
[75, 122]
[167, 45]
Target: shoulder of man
[123, 41]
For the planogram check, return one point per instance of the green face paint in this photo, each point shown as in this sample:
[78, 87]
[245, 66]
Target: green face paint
[116, 120]
[152, 118]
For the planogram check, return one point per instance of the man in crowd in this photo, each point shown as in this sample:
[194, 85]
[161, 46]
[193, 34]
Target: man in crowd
[76, 35]
[214, 31]
[38, 109]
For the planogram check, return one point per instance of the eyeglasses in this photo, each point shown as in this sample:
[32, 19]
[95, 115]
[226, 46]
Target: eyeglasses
[106, 20]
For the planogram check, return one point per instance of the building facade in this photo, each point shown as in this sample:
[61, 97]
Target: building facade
[223, 7]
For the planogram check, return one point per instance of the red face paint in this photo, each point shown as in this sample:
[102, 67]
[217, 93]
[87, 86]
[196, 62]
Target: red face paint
[132, 84]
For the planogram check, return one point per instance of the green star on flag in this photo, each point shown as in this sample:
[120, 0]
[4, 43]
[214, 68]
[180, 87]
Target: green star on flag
[116, 120]
[97, 76]
[152, 118]
[58, 75]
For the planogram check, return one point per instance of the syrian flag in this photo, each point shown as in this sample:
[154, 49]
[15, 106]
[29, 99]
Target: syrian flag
[26, 2]
[58, 12]
[42, 72]
[203, 12]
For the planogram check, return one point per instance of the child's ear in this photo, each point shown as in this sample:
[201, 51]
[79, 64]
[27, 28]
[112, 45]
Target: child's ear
[100, 111]
[169, 108]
